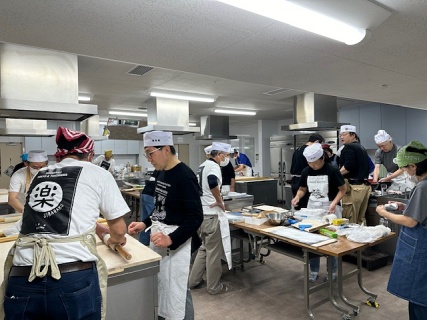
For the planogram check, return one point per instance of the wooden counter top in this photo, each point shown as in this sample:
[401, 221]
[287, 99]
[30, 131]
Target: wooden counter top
[341, 247]
[115, 263]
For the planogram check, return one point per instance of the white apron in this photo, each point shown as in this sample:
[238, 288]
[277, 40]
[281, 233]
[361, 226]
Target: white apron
[225, 231]
[173, 275]
[318, 186]
[226, 239]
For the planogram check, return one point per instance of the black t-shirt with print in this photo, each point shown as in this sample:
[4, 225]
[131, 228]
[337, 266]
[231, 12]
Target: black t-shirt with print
[335, 178]
[177, 202]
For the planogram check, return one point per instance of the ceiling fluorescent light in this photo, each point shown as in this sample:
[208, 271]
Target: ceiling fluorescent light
[303, 18]
[181, 96]
[128, 113]
[241, 112]
[192, 124]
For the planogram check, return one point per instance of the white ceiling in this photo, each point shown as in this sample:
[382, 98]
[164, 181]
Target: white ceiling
[206, 47]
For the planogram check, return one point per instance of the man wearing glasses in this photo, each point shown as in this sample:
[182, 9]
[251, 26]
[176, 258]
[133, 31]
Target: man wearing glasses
[354, 166]
[21, 179]
[176, 217]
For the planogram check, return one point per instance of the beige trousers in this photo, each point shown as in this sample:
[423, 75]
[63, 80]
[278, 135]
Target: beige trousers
[355, 202]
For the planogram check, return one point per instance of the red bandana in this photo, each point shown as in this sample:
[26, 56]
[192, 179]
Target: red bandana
[70, 141]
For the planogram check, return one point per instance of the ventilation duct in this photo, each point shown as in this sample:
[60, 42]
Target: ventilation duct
[215, 127]
[314, 112]
[40, 84]
[166, 114]
[25, 128]
[90, 126]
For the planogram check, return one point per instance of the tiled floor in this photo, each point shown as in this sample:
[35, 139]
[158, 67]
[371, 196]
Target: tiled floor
[274, 290]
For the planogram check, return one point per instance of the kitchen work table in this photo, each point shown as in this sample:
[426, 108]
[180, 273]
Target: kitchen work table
[133, 199]
[132, 284]
[261, 236]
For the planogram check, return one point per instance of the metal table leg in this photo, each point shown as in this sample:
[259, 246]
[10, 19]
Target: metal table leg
[356, 308]
[359, 277]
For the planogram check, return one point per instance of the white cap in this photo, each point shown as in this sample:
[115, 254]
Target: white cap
[208, 149]
[313, 152]
[37, 156]
[158, 138]
[348, 128]
[220, 146]
[382, 136]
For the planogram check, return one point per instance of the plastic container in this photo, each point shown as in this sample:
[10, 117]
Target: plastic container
[255, 221]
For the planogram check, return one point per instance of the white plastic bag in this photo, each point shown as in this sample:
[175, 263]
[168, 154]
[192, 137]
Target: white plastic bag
[367, 234]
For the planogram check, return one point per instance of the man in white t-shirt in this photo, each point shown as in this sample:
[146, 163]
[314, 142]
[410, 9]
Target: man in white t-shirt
[56, 271]
[21, 179]
[106, 161]
[214, 231]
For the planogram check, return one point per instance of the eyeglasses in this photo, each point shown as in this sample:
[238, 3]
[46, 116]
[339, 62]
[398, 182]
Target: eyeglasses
[148, 155]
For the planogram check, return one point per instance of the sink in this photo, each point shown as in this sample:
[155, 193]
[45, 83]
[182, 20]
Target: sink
[392, 197]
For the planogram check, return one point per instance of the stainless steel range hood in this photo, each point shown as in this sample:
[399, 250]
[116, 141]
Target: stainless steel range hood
[90, 126]
[168, 115]
[215, 128]
[314, 112]
[25, 128]
[40, 84]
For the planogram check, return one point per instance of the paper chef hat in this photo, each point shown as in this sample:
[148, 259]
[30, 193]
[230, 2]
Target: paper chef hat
[348, 128]
[220, 146]
[313, 152]
[157, 139]
[208, 149]
[382, 136]
[37, 156]
[108, 153]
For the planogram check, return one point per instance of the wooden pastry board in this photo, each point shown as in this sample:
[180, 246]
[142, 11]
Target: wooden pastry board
[316, 225]
[318, 244]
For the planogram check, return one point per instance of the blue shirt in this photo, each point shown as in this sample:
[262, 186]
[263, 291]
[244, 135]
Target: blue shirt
[243, 159]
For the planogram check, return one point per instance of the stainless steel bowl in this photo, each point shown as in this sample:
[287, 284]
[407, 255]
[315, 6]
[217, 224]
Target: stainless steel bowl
[275, 218]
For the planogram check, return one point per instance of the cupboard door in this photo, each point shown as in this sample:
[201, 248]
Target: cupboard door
[120, 147]
[393, 120]
[370, 123]
[133, 146]
[416, 128]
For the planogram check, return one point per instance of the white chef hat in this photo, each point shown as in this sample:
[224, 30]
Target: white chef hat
[37, 156]
[313, 152]
[382, 136]
[220, 146]
[348, 128]
[158, 138]
[208, 149]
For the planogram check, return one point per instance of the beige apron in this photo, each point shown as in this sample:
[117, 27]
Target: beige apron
[355, 202]
[44, 255]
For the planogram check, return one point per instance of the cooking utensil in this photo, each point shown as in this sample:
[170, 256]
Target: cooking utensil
[276, 218]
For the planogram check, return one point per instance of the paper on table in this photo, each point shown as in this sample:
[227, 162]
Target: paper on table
[298, 235]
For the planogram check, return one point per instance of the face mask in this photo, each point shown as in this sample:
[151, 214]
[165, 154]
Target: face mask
[225, 162]
[33, 171]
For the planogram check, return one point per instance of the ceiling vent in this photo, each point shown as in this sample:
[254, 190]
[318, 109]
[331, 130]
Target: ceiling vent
[139, 70]
[276, 91]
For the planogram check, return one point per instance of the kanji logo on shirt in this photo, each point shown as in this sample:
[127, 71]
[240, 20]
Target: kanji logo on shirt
[46, 196]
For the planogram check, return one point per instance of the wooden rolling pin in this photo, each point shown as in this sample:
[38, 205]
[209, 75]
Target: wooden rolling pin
[10, 219]
[9, 238]
[117, 248]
